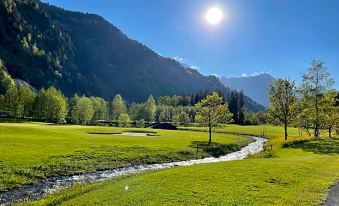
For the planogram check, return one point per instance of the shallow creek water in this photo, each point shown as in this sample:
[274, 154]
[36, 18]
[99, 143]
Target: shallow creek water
[52, 184]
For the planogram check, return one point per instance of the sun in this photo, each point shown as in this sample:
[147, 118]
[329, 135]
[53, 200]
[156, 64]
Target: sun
[214, 15]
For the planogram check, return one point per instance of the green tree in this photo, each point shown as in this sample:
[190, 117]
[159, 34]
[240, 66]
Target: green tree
[73, 101]
[140, 123]
[54, 105]
[184, 119]
[100, 108]
[124, 120]
[315, 83]
[233, 105]
[26, 101]
[137, 111]
[165, 100]
[9, 5]
[212, 112]
[83, 111]
[255, 118]
[241, 113]
[2, 103]
[38, 105]
[150, 109]
[283, 100]
[11, 100]
[191, 111]
[176, 120]
[6, 80]
[302, 120]
[19, 101]
[118, 107]
[330, 111]
[336, 103]
[24, 43]
[165, 113]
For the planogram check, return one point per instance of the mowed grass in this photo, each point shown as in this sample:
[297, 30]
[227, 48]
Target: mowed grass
[29, 151]
[273, 133]
[298, 173]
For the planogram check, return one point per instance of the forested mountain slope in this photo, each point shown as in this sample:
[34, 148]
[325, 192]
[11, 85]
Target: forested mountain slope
[83, 53]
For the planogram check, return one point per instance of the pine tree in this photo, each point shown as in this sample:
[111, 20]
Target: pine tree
[233, 106]
[241, 110]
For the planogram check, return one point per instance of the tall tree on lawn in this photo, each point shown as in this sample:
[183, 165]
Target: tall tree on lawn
[212, 112]
[283, 103]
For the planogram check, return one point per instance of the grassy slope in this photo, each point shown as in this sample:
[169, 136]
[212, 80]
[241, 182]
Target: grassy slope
[34, 150]
[297, 175]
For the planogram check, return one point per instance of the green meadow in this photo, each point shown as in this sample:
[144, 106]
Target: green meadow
[295, 173]
[31, 151]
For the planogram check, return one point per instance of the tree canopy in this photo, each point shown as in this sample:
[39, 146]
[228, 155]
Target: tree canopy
[118, 107]
[212, 112]
[315, 83]
[283, 100]
[83, 111]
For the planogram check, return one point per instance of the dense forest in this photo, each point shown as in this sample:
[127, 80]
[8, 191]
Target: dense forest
[51, 105]
[83, 53]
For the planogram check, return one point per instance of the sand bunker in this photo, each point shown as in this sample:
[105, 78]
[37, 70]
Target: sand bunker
[139, 134]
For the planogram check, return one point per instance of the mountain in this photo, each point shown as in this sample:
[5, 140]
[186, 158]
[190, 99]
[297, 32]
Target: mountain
[83, 53]
[256, 87]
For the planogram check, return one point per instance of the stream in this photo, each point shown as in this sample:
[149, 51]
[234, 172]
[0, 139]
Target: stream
[53, 184]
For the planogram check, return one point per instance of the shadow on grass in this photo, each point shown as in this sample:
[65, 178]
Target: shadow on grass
[13, 120]
[316, 146]
[215, 149]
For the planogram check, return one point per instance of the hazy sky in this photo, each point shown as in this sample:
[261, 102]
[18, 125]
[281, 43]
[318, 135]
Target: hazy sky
[279, 37]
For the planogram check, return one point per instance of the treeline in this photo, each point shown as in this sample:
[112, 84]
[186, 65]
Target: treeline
[51, 105]
[312, 106]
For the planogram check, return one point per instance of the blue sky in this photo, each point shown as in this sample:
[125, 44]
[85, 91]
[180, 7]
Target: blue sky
[279, 37]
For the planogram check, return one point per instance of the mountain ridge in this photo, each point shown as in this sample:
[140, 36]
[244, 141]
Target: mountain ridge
[84, 53]
[256, 87]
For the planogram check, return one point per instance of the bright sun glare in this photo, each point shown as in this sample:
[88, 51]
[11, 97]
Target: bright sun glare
[214, 15]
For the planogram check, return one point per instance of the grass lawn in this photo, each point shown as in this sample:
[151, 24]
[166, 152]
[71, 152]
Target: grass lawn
[35, 150]
[298, 173]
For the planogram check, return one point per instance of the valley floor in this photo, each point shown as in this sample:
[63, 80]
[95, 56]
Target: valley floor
[297, 173]
[31, 151]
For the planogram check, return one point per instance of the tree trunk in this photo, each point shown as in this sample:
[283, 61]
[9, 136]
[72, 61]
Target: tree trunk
[210, 133]
[285, 128]
[330, 132]
[316, 131]
[308, 132]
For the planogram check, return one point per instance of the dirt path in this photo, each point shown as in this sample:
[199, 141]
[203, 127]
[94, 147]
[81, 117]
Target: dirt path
[333, 196]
